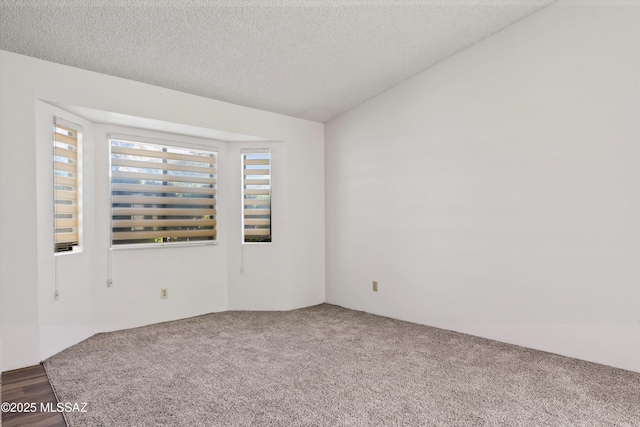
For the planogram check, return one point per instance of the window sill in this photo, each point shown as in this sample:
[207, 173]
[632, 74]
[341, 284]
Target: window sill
[67, 253]
[162, 245]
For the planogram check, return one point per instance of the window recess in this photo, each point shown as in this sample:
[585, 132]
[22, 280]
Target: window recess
[162, 192]
[256, 196]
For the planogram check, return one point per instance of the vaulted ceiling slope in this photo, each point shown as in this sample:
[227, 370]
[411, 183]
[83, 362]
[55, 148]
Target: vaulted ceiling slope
[311, 59]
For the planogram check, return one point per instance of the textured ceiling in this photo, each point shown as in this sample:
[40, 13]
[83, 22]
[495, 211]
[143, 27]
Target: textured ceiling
[308, 59]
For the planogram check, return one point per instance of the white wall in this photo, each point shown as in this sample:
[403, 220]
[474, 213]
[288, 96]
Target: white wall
[195, 276]
[68, 320]
[199, 280]
[296, 225]
[258, 286]
[18, 235]
[497, 193]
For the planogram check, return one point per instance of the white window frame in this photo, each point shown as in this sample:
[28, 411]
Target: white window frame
[175, 145]
[260, 190]
[64, 149]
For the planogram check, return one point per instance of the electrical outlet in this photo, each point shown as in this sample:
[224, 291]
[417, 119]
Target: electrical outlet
[56, 295]
[375, 286]
[164, 293]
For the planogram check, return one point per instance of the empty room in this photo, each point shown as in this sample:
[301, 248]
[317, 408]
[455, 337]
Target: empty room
[320, 213]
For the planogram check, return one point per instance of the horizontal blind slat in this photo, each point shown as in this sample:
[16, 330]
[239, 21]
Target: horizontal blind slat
[253, 162]
[248, 182]
[66, 237]
[144, 200]
[159, 188]
[63, 152]
[67, 167]
[65, 139]
[257, 231]
[163, 155]
[65, 180]
[65, 195]
[162, 166]
[66, 223]
[163, 212]
[256, 171]
[124, 223]
[66, 209]
[257, 192]
[257, 212]
[134, 235]
[161, 177]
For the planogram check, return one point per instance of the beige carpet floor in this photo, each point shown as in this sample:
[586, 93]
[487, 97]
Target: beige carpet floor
[329, 366]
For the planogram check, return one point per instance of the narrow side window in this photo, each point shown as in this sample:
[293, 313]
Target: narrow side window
[66, 185]
[256, 196]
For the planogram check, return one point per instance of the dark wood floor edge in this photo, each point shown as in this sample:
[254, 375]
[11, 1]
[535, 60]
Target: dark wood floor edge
[53, 389]
[13, 371]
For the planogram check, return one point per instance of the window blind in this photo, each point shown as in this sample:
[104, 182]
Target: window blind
[162, 193]
[256, 189]
[66, 159]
